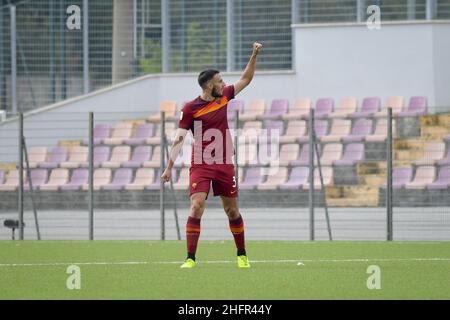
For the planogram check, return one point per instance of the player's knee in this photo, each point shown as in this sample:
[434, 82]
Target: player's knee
[232, 212]
[197, 208]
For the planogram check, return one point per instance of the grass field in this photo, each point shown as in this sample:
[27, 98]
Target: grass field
[150, 270]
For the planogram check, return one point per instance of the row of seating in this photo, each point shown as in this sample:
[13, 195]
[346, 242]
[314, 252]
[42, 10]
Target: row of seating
[293, 154]
[324, 108]
[282, 178]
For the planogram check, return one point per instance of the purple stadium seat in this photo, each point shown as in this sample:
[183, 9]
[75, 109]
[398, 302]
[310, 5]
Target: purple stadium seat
[140, 154]
[156, 183]
[361, 129]
[400, 177]
[321, 128]
[122, 177]
[297, 178]
[38, 178]
[369, 107]
[447, 138]
[272, 125]
[57, 155]
[79, 178]
[446, 159]
[303, 158]
[101, 131]
[101, 154]
[354, 152]
[252, 178]
[276, 110]
[143, 131]
[417, 106]
[2, 176]
[443, 179]
[234, 105]
[324, 107]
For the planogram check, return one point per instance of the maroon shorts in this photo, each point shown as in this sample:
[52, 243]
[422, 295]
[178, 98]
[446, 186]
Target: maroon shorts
[221, 176]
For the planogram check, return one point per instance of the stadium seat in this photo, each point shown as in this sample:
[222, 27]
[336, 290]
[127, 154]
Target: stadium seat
[400, 177]
[297, 178]
[247, 154]
[102, 177]
[170, 128]
[101, 131]
[417, 106]
[79, 178]
[276, 110]
[327, 173]
[144, 177]
[380, 133]
[254, 109]
[424, 176]
[139, 156]
[274, 129]
[369, 107]
[2, 176]
[433, 152]
[77, 156]
[58, 178]
[183, 180]
[303, 159]
[122, 177]
[288, 153]
[56, 156]
[347, 106]
[185, 156]
[12, 181]
[119, 155]
[275, 180]
[447, 138]
[361, 129]
[354, 153]
[299, 111]
[38, 178]
[35, 156]
[340, 128]
[330, 153]
[234, 105]
[446, 159]
[143, 131]
[320, 128]
[252, 178]
[169, 107]
[250, 131]
[121, 132]
[395, 102]
[295, 129]
[155, 161]
[442, 181]
[324, 107]
[101, 154]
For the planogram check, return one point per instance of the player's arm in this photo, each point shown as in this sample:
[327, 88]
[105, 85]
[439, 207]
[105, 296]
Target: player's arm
[249, 70]
[174, 152]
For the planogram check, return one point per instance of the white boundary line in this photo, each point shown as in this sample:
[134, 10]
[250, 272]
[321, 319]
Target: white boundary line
[224, 261]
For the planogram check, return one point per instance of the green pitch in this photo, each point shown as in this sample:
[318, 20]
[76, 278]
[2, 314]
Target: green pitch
[150, 270]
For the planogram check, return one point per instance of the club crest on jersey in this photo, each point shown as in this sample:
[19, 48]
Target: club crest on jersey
[194, 185]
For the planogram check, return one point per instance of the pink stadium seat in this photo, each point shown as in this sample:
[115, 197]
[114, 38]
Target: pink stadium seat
[78, 156]
[254, 109]
[425, 175]
[101, 154]
[331, 152]
[121, 132]
[380, 133]
[339, 129]
[320, 128]
[36, 155]
[295, 129]
[433, 152]
[347, 106]
[327, 173]
[155, 161]
[102, 177]
[169, 107]
[299, 111]
[170, 128]
[12, 181]
[274, 181]
[144, 177]
[58, 178]
[120, 155]
[252, 179]
[395, 102]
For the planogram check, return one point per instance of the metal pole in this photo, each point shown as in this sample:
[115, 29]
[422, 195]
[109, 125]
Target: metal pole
[411, 9]
[3, 102]
[165, 20]
[30, 184]
[294, 20]
[431, 9]
[230, 34]
[311, 174]
[63, 54]
[91, 176]
[175, 209]
[327, 217]
[134, 29]
[20, 190]
[161, 183]
[13, 60]
[86, 46]
[389, 176]
[359, 10]
[52, 50]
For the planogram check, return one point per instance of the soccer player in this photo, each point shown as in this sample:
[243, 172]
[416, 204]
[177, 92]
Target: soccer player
[212, 155]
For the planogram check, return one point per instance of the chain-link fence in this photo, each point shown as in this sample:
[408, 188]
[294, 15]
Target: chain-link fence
[376, 176]
[49, 53]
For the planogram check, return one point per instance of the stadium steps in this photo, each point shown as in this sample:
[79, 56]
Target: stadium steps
[352, 196]
[8, 166]
[69, 143]
[435, 127]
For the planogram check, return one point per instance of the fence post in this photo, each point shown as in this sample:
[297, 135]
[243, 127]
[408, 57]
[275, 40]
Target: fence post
[389, 175]
[161, 182]
[86, 46]
[311, 174]
[20, 190]
[91, 176]
[13, 60]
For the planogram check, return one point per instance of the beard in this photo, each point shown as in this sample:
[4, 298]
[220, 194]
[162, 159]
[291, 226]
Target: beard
[215, 93]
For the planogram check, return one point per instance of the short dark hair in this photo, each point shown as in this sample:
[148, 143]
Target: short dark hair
[206, 75]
